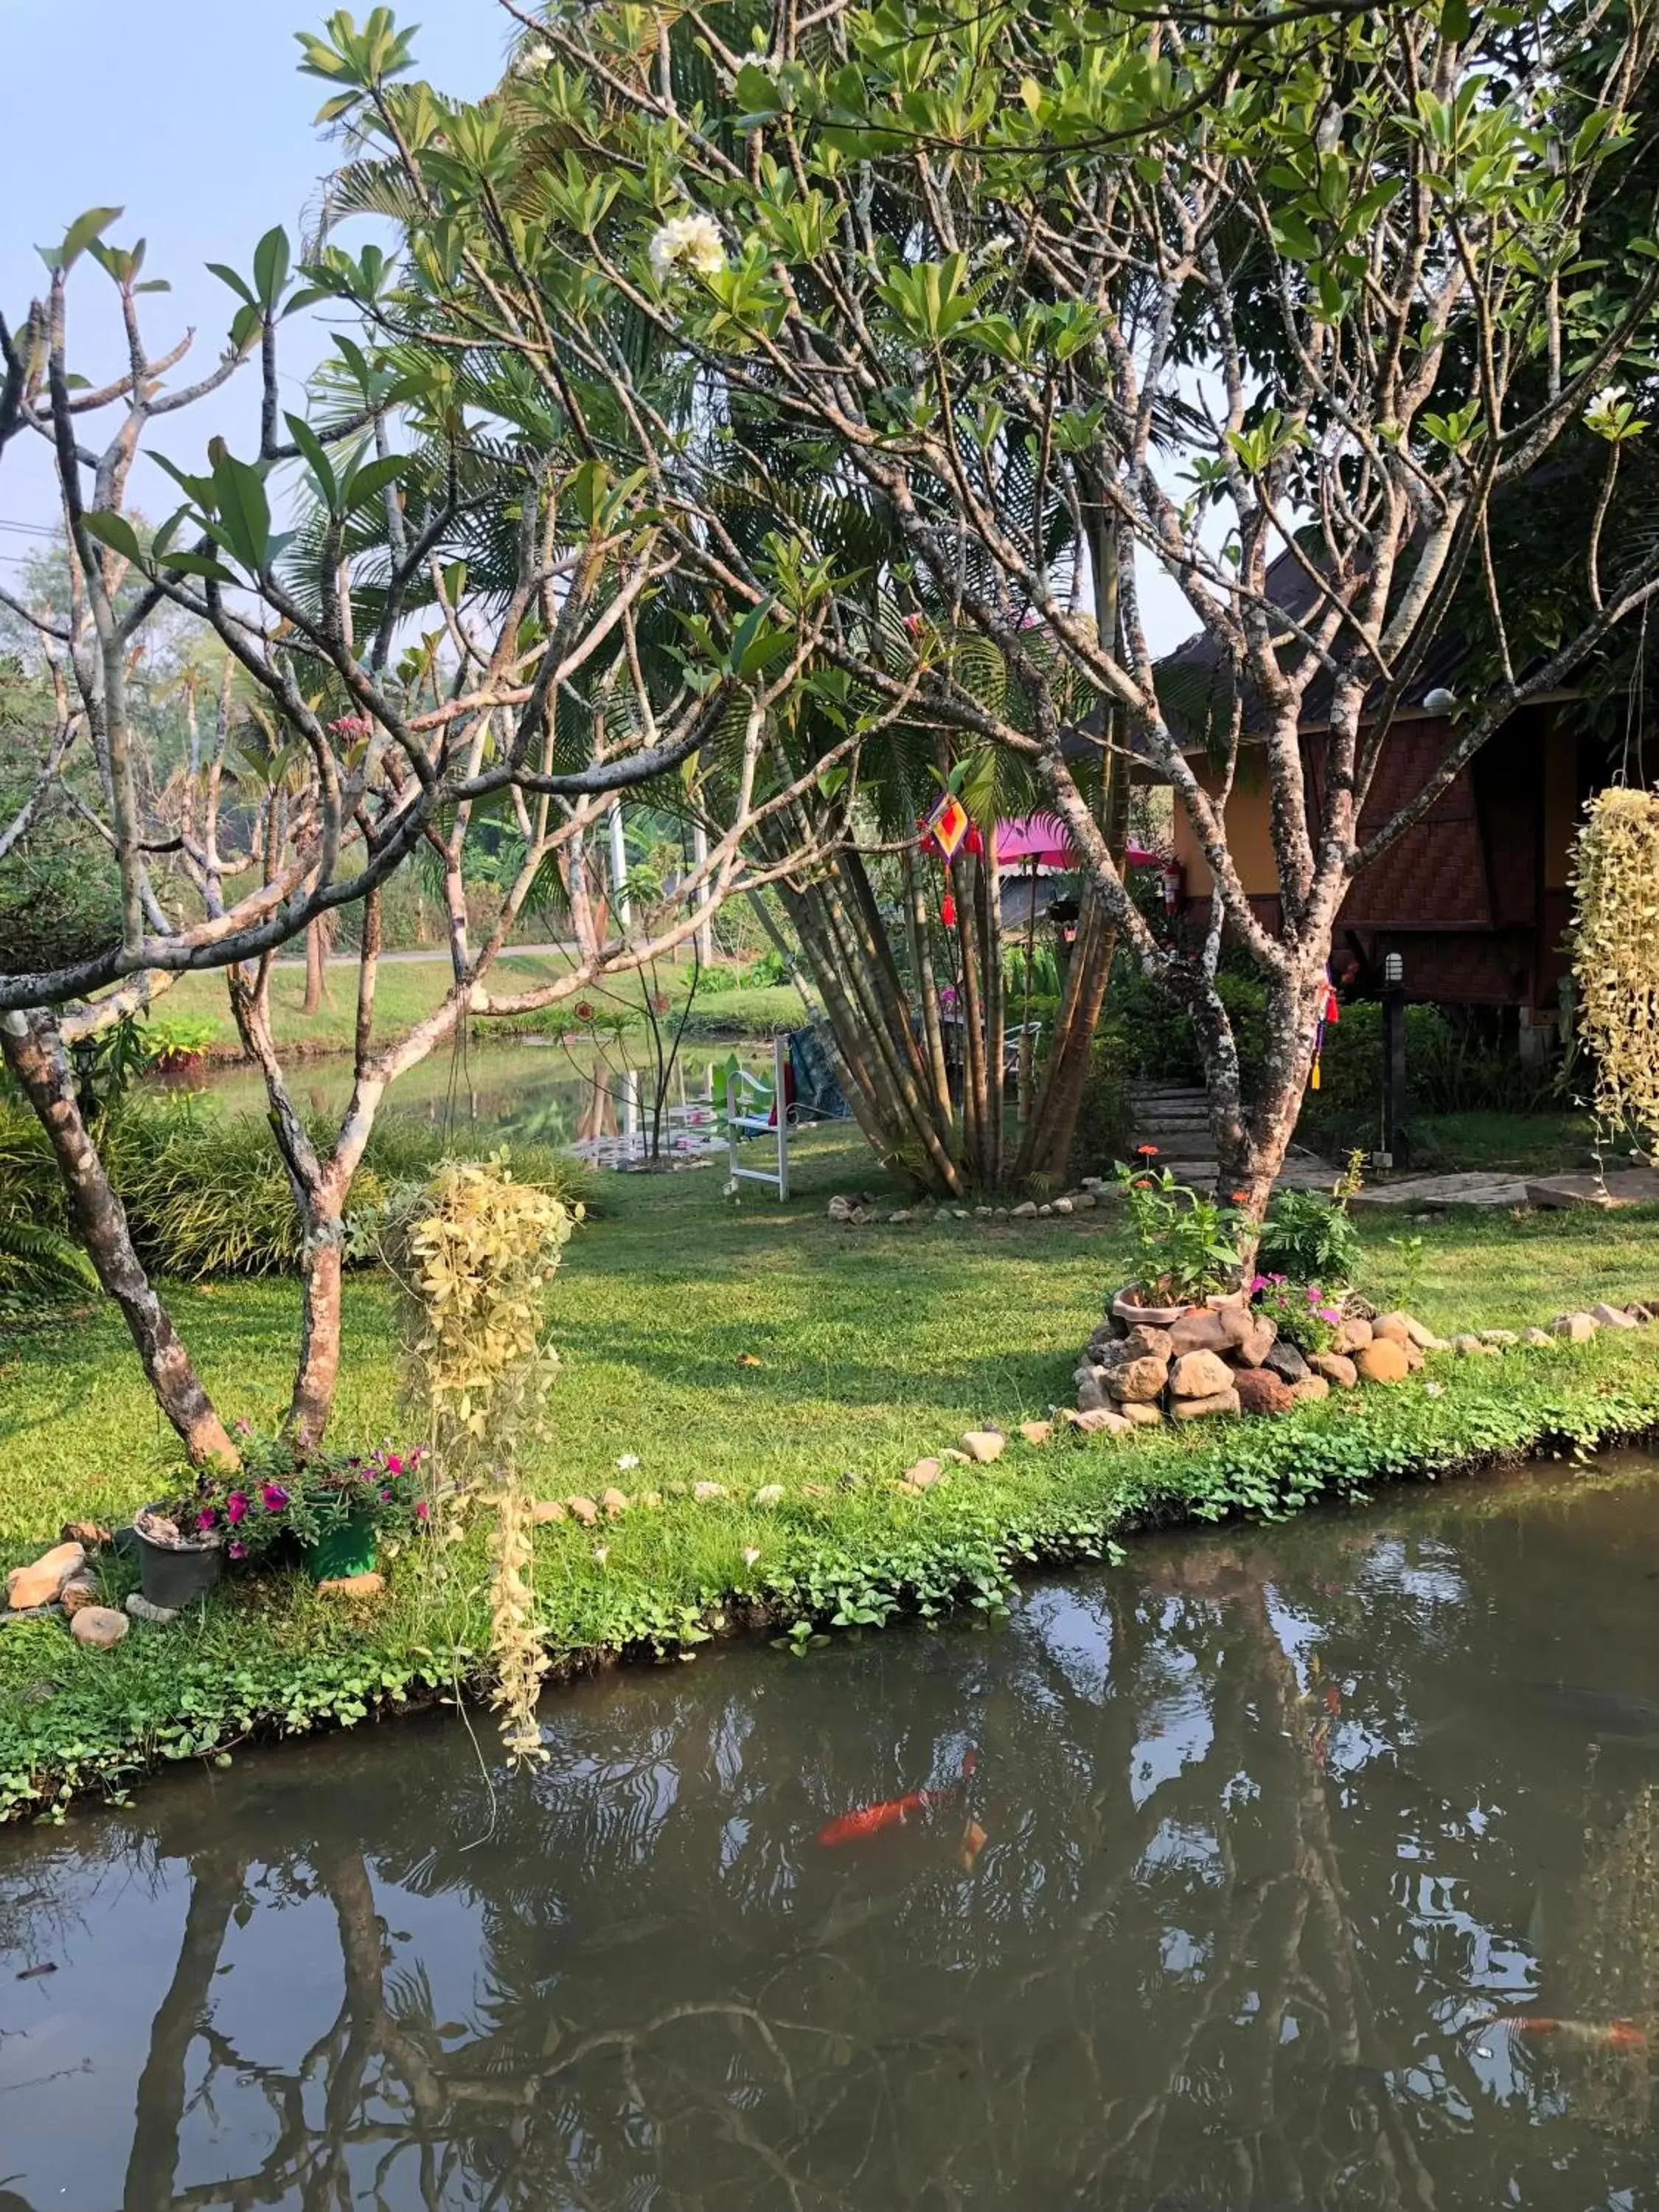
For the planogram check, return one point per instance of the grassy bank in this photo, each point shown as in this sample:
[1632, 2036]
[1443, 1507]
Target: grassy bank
[409, 990]
[874, 1346]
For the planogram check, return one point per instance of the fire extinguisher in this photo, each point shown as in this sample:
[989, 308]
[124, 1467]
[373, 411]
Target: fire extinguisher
[1174, 885]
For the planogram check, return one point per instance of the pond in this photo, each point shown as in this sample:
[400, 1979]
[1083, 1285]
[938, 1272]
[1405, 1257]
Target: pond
[1311, 1867]
[599, 1105]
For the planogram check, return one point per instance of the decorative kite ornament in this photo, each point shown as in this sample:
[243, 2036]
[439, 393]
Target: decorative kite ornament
[946, 831]
[1330, 1014]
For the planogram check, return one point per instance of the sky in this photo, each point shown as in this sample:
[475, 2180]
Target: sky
[192, 117]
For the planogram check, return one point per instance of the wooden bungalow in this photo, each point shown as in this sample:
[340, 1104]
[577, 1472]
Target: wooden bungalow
[1474, 898]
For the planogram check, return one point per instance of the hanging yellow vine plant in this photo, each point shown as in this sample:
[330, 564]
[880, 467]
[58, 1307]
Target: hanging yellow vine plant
[478, 1253]
[1615, 954]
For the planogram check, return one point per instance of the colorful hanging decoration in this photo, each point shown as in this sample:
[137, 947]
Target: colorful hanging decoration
[1330, 1015]
[948, 825]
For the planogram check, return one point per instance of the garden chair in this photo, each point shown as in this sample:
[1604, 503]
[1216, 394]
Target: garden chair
[803, 1077]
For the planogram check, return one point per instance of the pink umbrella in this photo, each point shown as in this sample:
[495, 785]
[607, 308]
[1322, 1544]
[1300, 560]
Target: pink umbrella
[1045, 842]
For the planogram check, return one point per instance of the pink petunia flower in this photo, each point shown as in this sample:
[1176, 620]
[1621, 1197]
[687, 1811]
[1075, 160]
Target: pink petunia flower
[207, 1518]
[276, 1497]
[236, 1506]
[394, 1464]
[238, 1550]
[422, 1511]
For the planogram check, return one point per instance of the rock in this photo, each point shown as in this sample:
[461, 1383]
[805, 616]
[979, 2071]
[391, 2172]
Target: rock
[1256, 1341]
[1091, 1183]
[1577, 1328]
[368, 1585]
[1382, 1362]
[1612, 1316]
[40, 1584]
[704, 1492]
[1091, 1391]
[545, 1510]
[1539, 1338]
[583, 1510]
[1310, 1389]
[999, 1213]
[1199, 1375]
[1140, 1414]
[99, 1627]
[1200, 1409]
[959, 1213]
[158, 1616]
[1138, 1380]
[1143, 1343]
[85, 1533]
[843, 1209]
[1501, 1339]
[614, 1502]
[981, 1214]
[1392, 1327]
[1640, 1315]
[924, 1471]
[1203, 1329]
[1353, 1333]
[652, 1499]
[1285, 1361]
[1063, 1205]
[1085, 1201]
[1413, 1357]
[1045, 1213]
[983, 1445]
[1423, 1337]
[78, 1593]
[1468, 1347]
[899, 1213]
[956, 1458]
[26, 1613]
[1036, 1432]
[1336, 1368]
[1260, 1391]
[1103, 1421]
[1026, 1211]
[769, 1493]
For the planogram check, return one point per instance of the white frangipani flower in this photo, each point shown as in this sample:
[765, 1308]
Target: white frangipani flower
[750, 1555]
[533, 60]
[626, 1461]
[1607, 399]
[690, 242]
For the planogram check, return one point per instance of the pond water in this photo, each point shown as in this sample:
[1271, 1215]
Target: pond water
[602, 1105]
[1316, 1867]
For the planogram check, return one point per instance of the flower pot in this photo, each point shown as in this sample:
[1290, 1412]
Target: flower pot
[1127, 1308]
[351, 1549]
[176, 1575]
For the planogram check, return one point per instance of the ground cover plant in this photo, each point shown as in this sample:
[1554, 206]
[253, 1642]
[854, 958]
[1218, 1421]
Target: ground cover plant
[748, 1346]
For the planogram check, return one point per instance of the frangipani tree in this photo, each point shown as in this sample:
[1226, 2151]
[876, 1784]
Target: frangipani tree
[423, 489]
[901, 248]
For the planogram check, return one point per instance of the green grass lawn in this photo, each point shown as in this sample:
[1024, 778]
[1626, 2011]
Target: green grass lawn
[408, 990]
[875, 1345]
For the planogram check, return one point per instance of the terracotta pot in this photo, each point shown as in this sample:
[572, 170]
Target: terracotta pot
[1127, 1308]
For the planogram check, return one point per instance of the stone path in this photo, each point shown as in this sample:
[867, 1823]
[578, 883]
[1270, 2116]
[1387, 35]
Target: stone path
[1176, 1119]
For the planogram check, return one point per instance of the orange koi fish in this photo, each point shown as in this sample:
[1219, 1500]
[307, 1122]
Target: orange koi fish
[892, 1813]
[1575, 2034]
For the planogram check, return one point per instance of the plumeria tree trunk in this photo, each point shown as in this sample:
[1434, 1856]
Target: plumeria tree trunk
[35, 1052]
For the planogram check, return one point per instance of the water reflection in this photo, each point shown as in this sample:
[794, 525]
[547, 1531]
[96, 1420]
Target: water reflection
[1284, 1838]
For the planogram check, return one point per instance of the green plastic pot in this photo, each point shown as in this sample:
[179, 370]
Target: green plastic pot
[351, 1549]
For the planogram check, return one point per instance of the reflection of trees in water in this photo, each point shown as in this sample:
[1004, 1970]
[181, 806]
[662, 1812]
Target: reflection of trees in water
[1185, 1972]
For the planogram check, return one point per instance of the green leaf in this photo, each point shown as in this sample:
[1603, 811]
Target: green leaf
[311, 446]
[80, 235]
[238, 284]
[199, 564]
[114, 530]
[244, 510]
[271, 266]
[362, 484]
[1455, 20]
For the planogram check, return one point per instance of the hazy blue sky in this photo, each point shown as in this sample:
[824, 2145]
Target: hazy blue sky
[192, 116]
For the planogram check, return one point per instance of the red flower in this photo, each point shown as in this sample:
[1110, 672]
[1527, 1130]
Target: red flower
[1147, 1151]
[584, 1009]
[276, 1497]
[422, 1511]
[394, 1464]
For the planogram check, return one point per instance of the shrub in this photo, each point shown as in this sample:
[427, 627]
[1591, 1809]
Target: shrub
[1302, 1311]
[206, 1194]
[1309, 1237]
[1105, 1120]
